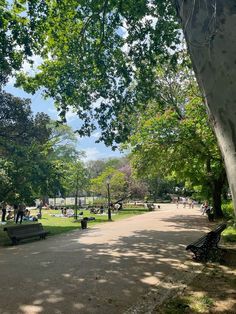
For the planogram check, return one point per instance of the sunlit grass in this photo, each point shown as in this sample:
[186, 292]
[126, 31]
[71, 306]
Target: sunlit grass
[187, 304]
[229, 234]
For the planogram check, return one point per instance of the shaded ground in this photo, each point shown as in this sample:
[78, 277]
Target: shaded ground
[211, 291]
[126, 266]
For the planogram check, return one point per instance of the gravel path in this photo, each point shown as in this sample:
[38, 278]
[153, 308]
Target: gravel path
[126, 266]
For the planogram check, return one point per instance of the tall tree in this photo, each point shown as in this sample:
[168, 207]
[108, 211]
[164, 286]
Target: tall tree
[116, 180]
[22, 137]
[111, 49]
[34, 152]
[209, 28]
[175, 137]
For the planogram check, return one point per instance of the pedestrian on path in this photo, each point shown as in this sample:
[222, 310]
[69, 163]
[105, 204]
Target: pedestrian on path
[4, 210]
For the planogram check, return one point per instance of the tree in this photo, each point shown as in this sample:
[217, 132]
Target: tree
[96, 167]
[21, 140]
[76, 180]
[136, 188]
[19, 34]
[62, 157]
[117, 183]
[34, 153]
[111, 49]
[209, 32]
[175, 139]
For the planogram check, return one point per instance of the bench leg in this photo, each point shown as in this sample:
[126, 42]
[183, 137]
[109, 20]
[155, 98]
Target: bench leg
[200, 255]
[15, 241]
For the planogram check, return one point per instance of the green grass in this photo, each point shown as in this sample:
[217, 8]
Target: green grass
[229, 235]
[188, 304]
[57, 225]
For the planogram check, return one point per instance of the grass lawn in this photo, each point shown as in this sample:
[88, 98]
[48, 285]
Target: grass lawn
[57, 225]
[229, 235]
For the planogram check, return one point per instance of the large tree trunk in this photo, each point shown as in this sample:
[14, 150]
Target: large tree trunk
[217, 187]
[209, 28]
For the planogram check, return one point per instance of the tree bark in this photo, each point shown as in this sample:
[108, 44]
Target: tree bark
[209, 27]
[216, 198]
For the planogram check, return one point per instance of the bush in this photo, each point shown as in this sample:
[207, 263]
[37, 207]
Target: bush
[228, 210]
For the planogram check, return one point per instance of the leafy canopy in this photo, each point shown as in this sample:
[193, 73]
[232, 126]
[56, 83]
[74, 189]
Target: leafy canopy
[174, 137]
[99, 57]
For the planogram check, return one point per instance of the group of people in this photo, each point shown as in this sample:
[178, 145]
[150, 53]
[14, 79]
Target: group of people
[184, 201]
[17, 212]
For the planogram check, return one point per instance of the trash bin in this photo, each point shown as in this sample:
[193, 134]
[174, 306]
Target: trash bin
[84, 223]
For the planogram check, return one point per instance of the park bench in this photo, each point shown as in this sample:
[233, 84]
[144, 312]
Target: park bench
[207, 246]
[25, 231]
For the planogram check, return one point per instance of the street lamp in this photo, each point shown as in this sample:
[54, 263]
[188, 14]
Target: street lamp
[108, 198]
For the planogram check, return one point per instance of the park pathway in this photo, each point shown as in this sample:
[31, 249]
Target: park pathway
[125, 266]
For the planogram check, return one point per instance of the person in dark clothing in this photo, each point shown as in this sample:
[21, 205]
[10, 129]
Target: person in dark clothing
[4, 210]
[20, 213]
[40, 206]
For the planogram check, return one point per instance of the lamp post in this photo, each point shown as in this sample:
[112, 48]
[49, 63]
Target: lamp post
[76, 195]
[108, 198]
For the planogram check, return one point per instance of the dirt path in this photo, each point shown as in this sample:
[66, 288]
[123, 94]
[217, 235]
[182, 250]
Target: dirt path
[115, 267]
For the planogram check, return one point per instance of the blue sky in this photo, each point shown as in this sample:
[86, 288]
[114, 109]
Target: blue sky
[93, 150]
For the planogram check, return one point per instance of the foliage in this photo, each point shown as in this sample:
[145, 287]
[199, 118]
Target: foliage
[117, 183]
[19, 34]
[96, 167]
[100, 52]
[21, 140]
[34, 152]
[228, 210]
[76, 178]
[136, 188]
[174, 138]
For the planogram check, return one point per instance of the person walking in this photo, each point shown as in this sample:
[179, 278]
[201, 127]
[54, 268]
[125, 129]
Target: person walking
[15, 210]
[4, 210]
[40, 206]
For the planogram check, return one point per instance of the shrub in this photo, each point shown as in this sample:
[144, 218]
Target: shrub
[228, 210]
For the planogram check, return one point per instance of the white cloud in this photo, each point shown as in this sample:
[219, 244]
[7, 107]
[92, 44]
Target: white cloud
[96, 134]
[71, 115]
[93, 153]
[11, 81]
[27, 67]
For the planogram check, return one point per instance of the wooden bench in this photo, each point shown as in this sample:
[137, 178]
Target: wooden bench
[207, 245]
[25, 231]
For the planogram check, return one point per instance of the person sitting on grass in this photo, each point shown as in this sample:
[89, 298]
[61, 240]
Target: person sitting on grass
[28, 217]
[26, 214]
[10, 215]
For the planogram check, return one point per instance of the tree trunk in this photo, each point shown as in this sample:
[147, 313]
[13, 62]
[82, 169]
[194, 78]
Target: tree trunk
[209, 28]
[216, 198]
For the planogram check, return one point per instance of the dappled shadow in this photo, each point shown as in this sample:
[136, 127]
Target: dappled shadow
[98, 278]
[212, 291]
[190, 222]
[77, 272]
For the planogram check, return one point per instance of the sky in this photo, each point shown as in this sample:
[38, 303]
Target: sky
[92, 150]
